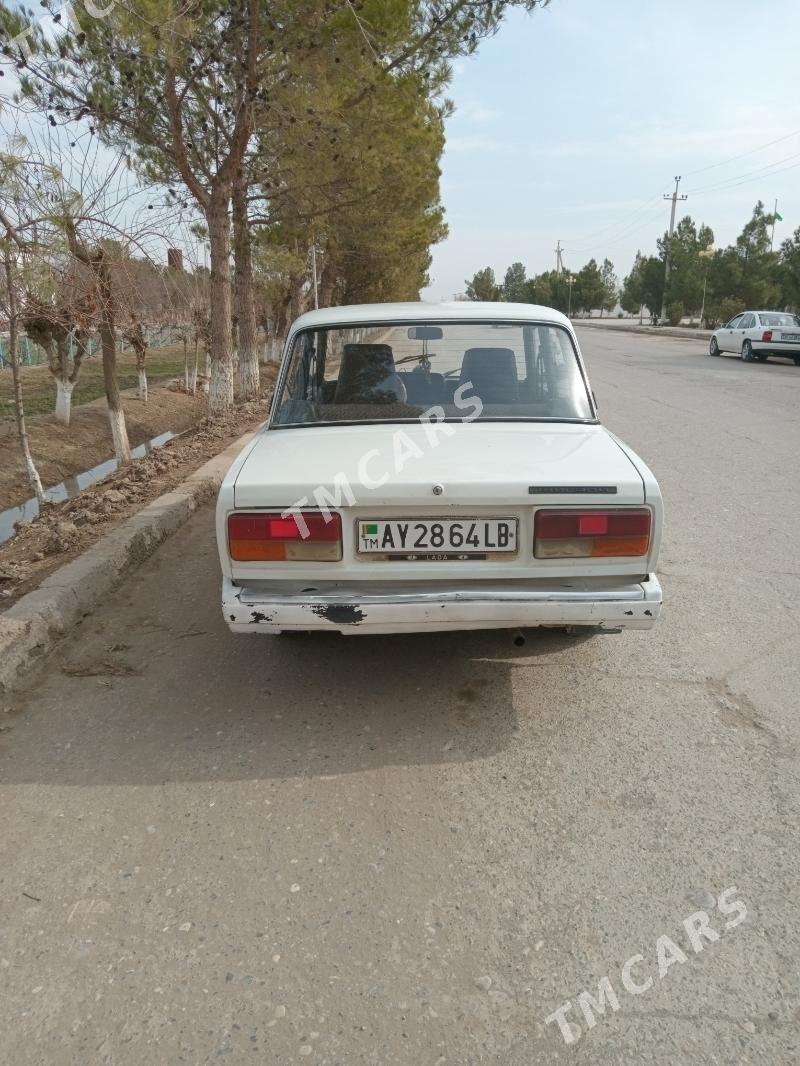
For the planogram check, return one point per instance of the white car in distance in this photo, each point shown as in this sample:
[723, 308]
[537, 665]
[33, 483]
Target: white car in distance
[756, 335]
[434, 467]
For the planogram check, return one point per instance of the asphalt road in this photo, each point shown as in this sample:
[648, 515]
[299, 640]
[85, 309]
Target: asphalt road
[412, 850]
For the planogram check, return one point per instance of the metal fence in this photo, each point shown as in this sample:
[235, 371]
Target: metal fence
[32, 354]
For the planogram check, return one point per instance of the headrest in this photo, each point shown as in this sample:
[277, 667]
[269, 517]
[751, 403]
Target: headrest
[367, 375]
[498, 364]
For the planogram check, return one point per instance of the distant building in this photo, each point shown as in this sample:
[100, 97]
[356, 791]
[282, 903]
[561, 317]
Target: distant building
[174, 258]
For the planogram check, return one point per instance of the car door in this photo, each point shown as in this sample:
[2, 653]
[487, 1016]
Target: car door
[746, 330]
[727, 333]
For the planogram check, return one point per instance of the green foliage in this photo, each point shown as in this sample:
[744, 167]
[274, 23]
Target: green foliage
[515, 284]
[687, 265]
[674, 312]
[630, 298]
[484, 286]
[788, 272]
[589, 292]
[720, 311]
[610, 291]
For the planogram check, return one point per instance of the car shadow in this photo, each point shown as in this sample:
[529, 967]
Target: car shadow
[152, 688]
[261, 707]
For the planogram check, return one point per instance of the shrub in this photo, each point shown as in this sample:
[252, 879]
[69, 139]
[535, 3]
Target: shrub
[718, 312]
[675, 313]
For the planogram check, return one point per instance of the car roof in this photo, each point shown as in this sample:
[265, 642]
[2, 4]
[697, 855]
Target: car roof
[420, 311]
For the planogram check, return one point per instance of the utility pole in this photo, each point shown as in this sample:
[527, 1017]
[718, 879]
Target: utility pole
[674, 197]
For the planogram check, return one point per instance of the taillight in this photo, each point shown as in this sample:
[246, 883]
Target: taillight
[274, 538]
[766, 335]
[600, 534]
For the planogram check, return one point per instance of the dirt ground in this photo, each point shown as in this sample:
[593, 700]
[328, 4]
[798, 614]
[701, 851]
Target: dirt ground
[63, 530]
[59, 450]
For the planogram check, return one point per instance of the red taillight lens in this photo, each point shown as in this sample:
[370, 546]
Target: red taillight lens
[272, 537]
[566, 533]
[766, 335]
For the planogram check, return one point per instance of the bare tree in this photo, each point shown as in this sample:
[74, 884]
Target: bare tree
[91, 216]
[61, 329]
[134, 335]
[11, 301]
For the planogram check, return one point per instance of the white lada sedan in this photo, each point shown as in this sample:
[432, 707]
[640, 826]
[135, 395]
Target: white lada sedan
[430, 467]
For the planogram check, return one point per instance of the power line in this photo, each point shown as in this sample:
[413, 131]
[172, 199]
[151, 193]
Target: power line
[634, 225]
[746, 174]
[742, 155]
[620, 221]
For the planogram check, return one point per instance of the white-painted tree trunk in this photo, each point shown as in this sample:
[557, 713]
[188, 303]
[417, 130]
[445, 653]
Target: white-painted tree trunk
[143, 384]
[220, 386]
[207, 382]
[119, 435]
[19, 407]
[275, 348]
[64, 400]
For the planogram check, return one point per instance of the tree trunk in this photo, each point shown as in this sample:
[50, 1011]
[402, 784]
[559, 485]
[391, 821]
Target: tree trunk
[279, 327]
[58, 361]
[116, 415]
[193, 377]
[141, 372]
[220, 391]
[243, 294]
[64, 389]
[327, 282]
[19, 409]
[185, 364]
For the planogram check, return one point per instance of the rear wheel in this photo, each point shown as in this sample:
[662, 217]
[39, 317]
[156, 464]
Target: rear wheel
[747, 352]
[713, 347]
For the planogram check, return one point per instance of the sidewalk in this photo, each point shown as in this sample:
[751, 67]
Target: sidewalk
[630, 325]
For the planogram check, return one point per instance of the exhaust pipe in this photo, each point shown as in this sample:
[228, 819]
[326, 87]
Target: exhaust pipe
[518, 638]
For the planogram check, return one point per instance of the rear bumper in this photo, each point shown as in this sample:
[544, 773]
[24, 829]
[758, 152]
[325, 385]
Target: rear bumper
[790, 350]
[427, 607]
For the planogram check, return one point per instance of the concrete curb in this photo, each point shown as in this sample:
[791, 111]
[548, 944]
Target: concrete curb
[30, 628]
[680, 332]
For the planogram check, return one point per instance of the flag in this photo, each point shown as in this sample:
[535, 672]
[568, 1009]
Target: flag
[778, 218]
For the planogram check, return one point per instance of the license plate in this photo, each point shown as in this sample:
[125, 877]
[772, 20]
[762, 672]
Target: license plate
[426, 536]
[790, 336]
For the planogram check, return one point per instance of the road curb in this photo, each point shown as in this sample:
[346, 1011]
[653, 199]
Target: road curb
[29, 629]
[678, 332]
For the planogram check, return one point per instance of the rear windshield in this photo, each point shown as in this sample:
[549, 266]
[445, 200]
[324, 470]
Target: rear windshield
[775, 319]
[457, 371]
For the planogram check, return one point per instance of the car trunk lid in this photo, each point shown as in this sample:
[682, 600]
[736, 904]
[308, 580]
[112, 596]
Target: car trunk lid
[405, 465]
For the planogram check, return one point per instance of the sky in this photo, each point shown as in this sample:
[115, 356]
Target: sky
[571, 124]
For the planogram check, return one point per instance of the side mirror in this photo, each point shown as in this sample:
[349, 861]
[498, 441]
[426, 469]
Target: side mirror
[425, 333]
